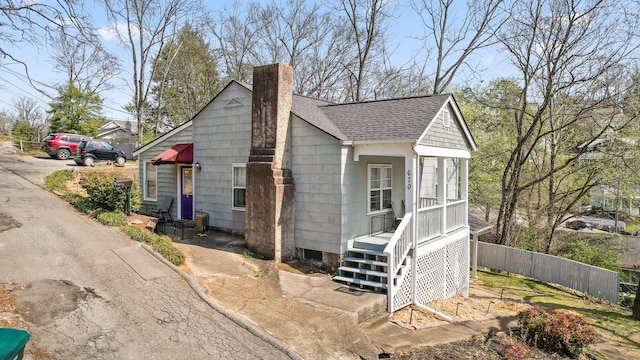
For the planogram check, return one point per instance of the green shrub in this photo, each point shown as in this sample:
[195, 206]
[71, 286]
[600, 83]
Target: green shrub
[99, 187]
[557, 331]
[57, 181]
[161, 244]
[111, 218]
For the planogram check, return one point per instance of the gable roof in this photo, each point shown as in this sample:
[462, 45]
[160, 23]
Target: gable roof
[403, 119]
[397, 120]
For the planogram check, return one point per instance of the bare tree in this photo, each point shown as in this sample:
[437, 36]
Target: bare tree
[237, 33]
[563, 50]
[366, 19]
[149, 25]
[28, 110]
[451, 36]
[35, 22]
[86, 64]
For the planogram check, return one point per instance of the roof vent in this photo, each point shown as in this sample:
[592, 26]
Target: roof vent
[446, 118]
[234, 102]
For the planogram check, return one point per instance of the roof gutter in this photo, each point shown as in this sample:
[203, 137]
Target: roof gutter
[377, 142]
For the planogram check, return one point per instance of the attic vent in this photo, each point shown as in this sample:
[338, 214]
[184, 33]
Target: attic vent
[233, 102]
[446, 118]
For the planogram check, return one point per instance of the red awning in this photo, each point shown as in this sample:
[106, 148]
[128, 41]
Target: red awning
[177, 154]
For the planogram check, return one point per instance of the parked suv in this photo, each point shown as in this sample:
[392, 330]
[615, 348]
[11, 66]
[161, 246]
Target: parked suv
[90, 151]
[62, 146]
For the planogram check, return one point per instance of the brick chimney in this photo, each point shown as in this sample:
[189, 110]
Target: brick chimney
[270, 188]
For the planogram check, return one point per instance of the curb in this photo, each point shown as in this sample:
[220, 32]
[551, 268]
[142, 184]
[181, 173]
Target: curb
[238, 319]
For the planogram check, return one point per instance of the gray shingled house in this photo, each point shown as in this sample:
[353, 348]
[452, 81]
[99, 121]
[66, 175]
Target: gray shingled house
[376, 190]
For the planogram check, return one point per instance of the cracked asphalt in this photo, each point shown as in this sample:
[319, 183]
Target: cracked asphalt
[80, 300]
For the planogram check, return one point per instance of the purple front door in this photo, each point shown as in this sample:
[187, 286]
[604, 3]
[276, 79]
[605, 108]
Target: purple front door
[186, 193]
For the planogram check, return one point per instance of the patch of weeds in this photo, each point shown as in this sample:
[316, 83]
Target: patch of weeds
[258, 273]
[57, 181]
[246, 254]
[112, 218]
[160, 244]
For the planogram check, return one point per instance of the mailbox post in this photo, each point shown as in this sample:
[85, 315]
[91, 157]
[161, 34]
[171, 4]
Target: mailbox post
[125, 184]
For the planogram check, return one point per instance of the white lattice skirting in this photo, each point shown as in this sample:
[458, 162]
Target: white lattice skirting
[442, 271]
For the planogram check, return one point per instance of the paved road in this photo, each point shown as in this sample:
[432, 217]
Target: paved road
[85, 298]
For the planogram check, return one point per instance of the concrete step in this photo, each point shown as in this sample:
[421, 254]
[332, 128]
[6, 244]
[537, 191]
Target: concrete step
[360, 282]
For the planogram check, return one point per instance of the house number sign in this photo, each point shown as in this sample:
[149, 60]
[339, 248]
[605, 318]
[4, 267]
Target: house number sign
[409, 179]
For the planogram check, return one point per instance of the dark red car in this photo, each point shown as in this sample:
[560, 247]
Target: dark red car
[62, 146]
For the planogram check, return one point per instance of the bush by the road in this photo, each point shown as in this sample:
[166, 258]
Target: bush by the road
[99, 187]
[103, 197]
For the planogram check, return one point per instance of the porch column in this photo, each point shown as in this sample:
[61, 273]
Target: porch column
[442, 193]
[412, 185]
[464, 186]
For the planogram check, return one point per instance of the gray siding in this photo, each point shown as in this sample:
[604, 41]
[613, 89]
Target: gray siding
[315, 163]
[167, 181]
[356, 220]
[440, 136]
[222, 137]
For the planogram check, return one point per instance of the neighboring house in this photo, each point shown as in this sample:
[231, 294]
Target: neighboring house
[118, 131]
[611, 197]
[121, 134]
[326, 182]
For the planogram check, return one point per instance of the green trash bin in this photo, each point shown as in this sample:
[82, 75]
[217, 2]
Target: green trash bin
[12, 342]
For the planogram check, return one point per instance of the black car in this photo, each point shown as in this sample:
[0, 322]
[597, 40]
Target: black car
[578, 224]
[90, 151]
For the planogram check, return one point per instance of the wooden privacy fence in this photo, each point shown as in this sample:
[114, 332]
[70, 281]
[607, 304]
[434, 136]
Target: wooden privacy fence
[592, 280]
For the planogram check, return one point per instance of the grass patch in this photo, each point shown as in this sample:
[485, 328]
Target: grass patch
[57, 181]
[610, 320]
[112, 218]
[161, 244]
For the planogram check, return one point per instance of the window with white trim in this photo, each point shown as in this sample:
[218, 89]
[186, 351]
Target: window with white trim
[150, 177]
[239, 186]
[380, 185]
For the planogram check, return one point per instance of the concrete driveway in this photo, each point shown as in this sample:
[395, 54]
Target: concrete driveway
[86, 291]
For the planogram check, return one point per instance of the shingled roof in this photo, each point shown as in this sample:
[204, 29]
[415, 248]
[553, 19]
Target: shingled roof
[402, 119]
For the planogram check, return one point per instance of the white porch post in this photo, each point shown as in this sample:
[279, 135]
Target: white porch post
[411, 204]
[442, 193]
[464, 187]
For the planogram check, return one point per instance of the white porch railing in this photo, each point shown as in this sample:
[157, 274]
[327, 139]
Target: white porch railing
[456, 215]
[430, 220]
[396, 252]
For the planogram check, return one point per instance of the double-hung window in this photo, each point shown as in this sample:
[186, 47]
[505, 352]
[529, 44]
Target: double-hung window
[239, 186]
[380, 185]
[150, 180]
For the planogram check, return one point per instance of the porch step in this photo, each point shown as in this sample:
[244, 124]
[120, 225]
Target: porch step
[362, 271]
[366, 251]
[376, 243]
[371, 262]
[362, 282]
